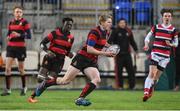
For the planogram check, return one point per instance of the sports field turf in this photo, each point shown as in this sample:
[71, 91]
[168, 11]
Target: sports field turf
[101, 100]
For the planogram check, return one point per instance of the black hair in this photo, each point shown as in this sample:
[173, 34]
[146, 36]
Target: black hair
[121, 19]
[165, 10]
[67, 19]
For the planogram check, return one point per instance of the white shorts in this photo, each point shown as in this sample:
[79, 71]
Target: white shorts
[160, 61]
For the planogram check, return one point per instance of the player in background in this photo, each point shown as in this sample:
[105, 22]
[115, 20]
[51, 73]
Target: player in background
[18, 31]
[61, 41]
[165, 37]
[86, 61]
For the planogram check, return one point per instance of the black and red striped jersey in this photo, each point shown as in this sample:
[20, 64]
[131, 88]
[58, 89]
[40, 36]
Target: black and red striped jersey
[23, 28]
[60, 43]
[161, 34]
[98, 36]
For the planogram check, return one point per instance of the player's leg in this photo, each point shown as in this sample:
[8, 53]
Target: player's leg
[51, 70]
[68, 77]
[23, 77]
[156, 77]
[155, 80]
[47, 82]
[161, 66]
[46, 66]
[149, 81]
[42, 75]
[21, 55]
[9, 62]
[71, 73]
[93, 74]
[41, 79]
[41, 88]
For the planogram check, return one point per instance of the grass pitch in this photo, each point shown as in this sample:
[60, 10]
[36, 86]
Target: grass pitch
[101, 100]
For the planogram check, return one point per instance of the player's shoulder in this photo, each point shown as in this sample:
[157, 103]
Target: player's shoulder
[24, 20]
[172, 27]
[95, 31]
[71, 36]
[155, 26]
[11, 21]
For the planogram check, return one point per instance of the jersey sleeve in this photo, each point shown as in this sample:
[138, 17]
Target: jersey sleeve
[26, 25]
[153, 29]
[92, 38]
[51, 35]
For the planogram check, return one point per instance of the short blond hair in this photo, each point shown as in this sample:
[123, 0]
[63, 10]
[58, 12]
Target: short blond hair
[104, 17]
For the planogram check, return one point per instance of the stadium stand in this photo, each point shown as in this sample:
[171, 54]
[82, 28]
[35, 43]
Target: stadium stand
[143, 12]
[124, 10]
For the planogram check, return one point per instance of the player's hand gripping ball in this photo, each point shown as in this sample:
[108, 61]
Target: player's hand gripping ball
[113, 48]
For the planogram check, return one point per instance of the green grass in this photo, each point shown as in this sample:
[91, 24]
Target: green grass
[101, 100]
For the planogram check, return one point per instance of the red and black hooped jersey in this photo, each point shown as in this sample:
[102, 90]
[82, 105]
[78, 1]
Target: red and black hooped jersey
[20, 26]
[60, 43]
[98, 37]
[161, 34]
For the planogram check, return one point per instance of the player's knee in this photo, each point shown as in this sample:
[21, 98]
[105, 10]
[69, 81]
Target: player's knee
[40, 78]
[52, 75]
[8, 71]
[63, 81]
[152, 73]
[21, 70]
[97, 80]
[42, 74]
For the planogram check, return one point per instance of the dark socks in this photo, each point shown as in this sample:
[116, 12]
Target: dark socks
[23, 79]
[87, 89]
[8, 81]
[43, 86]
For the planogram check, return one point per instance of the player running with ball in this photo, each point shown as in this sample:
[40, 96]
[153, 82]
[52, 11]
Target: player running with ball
[86, 61]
